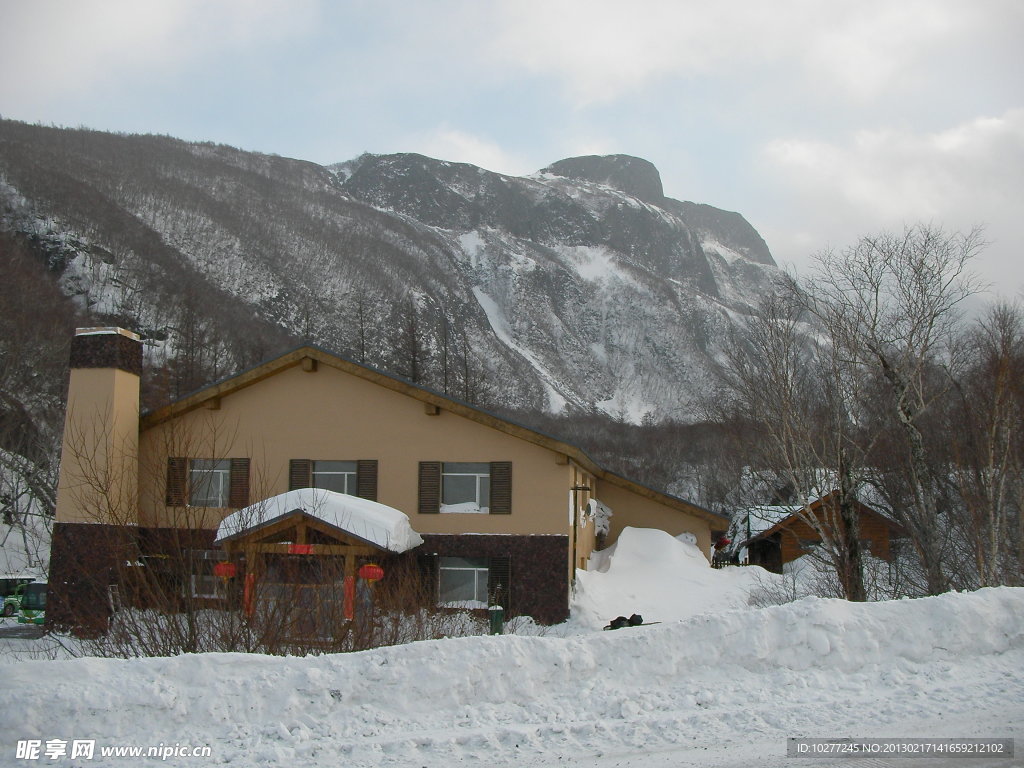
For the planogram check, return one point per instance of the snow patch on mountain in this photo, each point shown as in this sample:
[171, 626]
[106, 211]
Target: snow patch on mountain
[503, 330]
[595, 264]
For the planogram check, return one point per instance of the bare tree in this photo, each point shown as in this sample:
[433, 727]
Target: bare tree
[986, 432]
[891, 304]
[410, 340]
[796, 392]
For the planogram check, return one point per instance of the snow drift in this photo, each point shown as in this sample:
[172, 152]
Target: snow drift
[662, 578]
[723, 679]
[715, 683]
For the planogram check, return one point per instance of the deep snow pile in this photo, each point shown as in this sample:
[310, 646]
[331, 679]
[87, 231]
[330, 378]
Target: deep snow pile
[661, 578]
[719, 687]
[731, 685]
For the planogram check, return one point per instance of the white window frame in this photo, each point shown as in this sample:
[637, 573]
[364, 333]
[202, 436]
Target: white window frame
[462, 565]
[201, 573]
[481, 472]
[202, 578]
[213, 476]
[350, 476]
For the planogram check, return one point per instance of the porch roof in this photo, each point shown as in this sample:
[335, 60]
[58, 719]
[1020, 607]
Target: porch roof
[369, 521]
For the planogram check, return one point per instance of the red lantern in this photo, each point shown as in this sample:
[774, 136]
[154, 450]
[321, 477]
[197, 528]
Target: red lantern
[300, 549]
[225, 570]
[371, 572]
[723, 542]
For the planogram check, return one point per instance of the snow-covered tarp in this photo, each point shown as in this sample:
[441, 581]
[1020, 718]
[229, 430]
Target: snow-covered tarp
[376, 523]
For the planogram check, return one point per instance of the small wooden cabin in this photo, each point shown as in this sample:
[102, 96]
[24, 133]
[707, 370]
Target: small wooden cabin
[792, 536]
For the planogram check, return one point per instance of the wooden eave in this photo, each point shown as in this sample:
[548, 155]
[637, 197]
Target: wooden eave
[259, 533]
[298, 357]
[813, 507]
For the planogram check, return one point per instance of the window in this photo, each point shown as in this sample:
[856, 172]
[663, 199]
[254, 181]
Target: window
[202, 581]
[463, 582]
[465, 487]
[473, 582]
[356, 478]
[205, 584]
[33, 597]
[337, 476]
[209, 482]
[473, 487]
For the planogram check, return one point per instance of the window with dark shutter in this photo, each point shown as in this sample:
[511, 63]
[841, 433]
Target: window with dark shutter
[177, 472]
[299, 474]
[238, 495]
[430, 487]
[501, 488]
[366, 479]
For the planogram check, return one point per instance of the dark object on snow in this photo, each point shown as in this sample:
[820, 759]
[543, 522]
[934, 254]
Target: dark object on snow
[636, 620]
[618, 623]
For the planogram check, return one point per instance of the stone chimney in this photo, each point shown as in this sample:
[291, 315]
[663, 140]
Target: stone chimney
[99, 476]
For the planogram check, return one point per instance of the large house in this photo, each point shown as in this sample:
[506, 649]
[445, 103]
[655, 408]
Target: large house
[495, 504]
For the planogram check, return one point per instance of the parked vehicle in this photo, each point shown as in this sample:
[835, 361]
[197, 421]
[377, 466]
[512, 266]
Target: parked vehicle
[33, 603]
[11, 581]
[10, 590]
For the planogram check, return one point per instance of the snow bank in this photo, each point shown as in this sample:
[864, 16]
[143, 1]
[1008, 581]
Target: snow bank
[662, 578]
[376, 523]
[817, 667]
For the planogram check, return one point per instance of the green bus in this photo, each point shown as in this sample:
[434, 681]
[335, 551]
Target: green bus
[33, 603]
[10, 590]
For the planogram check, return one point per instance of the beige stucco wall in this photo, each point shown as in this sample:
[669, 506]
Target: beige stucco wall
[98, 482]
[332, 415]
[630, 509]
[584, 539]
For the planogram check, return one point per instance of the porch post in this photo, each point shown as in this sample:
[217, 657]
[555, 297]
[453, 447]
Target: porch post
[350, 586]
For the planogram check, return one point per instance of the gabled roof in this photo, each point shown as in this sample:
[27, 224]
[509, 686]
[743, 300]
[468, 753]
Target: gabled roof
[368, 521]
[313, 355]
[787, 519]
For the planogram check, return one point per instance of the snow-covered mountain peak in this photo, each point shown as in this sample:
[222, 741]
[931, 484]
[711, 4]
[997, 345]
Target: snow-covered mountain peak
[632, 175]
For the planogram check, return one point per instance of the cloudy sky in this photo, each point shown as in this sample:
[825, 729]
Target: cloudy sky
[818, 121]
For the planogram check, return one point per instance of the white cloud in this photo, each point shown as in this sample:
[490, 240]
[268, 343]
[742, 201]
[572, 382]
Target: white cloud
[451, 144]
[964, 175]
[603, 49]
[867, 48]
[51, 49]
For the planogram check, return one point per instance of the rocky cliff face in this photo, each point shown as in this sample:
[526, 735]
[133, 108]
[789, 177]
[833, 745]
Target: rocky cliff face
[613, 295]
[579, 286]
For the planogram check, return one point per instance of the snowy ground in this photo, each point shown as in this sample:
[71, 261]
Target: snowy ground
[715, 683]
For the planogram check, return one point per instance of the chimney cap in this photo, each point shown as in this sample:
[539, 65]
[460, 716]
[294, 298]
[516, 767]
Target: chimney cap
[109, 329]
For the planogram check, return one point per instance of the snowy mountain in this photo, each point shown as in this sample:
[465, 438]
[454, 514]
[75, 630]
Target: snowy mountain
[581, 284]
